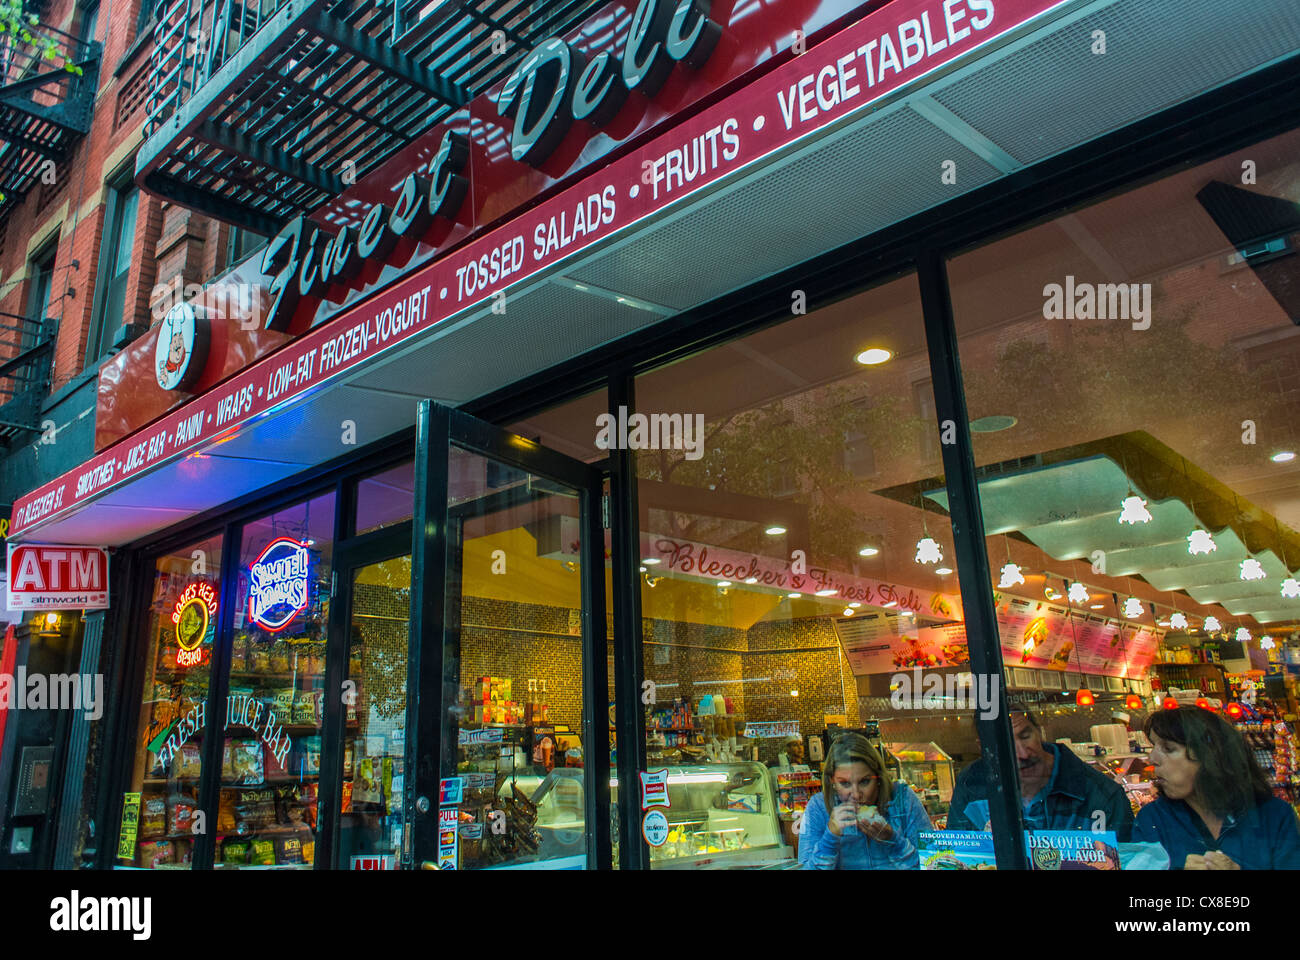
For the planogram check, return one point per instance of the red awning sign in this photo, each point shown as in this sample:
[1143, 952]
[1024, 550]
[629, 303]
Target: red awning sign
[54, 576]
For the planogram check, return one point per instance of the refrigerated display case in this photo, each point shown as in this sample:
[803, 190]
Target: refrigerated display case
[928, 770]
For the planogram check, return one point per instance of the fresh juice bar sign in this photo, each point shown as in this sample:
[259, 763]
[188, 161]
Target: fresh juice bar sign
[840, 77]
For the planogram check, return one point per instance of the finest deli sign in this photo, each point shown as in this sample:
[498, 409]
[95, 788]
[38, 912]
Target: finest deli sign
[551, 87]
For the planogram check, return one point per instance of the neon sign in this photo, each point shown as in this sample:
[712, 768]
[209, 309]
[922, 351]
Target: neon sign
[193, 612]
[278, 584]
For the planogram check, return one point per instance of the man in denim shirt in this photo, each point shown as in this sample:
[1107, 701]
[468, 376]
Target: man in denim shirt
[1059, 791]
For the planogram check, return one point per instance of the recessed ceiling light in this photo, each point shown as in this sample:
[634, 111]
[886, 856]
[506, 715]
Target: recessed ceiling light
[774, 531]
[827, 593]
[855, 604]
[873, 356]
[724, 583]
[752, 580]
[993, 424]
[794, 595]
[650, 561]
[868, 552]
[1095, 606]
[891, 603]
[943, 571]
[643, 569]
[1283, 456]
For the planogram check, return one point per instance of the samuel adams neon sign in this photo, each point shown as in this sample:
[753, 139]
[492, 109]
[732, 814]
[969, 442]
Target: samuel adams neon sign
[278, 584]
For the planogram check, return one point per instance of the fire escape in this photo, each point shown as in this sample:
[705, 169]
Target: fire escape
[47, 93]
[265, 109]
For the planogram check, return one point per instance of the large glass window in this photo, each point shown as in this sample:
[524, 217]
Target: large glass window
[1131, 375]
[271, 759]
[158, 814]
[797, 573]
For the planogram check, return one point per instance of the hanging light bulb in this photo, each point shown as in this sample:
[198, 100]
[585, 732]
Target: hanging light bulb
[1212, 625]
[1200, 541]
[1132, 608]
[1252, 570]
[1203, 703]
[1133, 702]
[1243, 635]
[1291, 587]
[1177, 621]
[1078, 593]
[1233, 710]
[1011, 576]
[1134, 510]
[927, 551]
[1084, 697]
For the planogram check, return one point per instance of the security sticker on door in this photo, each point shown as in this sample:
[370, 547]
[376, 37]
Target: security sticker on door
[654, 827]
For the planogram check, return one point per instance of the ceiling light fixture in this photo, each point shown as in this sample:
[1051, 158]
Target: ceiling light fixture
[1177, 621]
[1266, 643]
[1134, 510]
[1078, 593]
[1200, 541]
[1133, 608]
[1011, 576]
[774, 531]
[1291, 588]
[848, 611]
[928, 551]
[651, 561]
[794, 596]
[855, 604]
[874, 356]
[1212, 625]
[828, 592]
[1283, 456]
[1251, 569]
[943, 571]
[1095, 606]
[868, 552]
[1243, 635]
[751, 579]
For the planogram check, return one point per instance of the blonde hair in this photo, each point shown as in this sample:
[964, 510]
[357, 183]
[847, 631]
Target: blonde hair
[855, 748]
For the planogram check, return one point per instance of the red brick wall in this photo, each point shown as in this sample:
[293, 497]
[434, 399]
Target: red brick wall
[79, 193]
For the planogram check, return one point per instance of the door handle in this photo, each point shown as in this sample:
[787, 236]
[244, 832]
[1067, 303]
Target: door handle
[428, 865]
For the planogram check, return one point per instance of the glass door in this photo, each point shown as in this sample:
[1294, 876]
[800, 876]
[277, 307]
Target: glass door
[373, 618]
[512, 669]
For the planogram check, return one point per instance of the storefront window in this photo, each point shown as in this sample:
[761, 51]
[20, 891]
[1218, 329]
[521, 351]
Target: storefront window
[271, 761]
[798, 582]
[158, 814]
[386, 499]
[518, 721]
[1131, 375]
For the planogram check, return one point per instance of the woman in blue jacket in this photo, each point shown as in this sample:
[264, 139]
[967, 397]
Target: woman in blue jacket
[1215, 810]
[873, 824]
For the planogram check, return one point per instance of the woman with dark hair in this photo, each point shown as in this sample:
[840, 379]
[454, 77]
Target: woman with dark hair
[872, 824]
[1215, 810]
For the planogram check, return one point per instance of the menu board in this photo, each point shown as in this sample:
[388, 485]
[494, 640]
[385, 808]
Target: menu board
[1033, 633]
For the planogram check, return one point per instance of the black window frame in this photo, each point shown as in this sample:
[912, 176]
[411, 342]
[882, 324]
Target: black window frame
[99, 339]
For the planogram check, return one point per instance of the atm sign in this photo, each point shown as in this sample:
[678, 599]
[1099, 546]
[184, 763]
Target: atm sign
[56, 576]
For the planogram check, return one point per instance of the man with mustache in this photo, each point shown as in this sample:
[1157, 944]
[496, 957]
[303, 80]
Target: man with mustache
[1058, 790]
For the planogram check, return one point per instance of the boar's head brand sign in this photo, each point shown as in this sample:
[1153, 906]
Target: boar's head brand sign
[278, 584]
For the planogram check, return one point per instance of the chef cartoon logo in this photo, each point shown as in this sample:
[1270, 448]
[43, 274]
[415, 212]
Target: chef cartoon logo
[181, 350]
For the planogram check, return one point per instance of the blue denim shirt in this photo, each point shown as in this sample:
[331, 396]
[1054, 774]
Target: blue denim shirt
[819, 849]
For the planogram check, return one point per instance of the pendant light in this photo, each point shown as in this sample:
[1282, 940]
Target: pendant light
[927, 549]
[1077, 593]
[1010, 573]
[1133, 702]
[1199, 540]
[1243, 635]
[1083, 696]
[1170, 703]
[1177, 621]
[1133, 509]
[1212, 625]
[1133, 608]
[1251, 569]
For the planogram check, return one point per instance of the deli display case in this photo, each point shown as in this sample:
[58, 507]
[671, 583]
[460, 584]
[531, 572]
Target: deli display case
[720, 815]
[928, 770]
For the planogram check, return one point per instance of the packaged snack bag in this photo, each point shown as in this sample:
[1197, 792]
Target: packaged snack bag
[246, 762]
[180, 814]
[153, 853]
[235, 852]
[187, 763]
[262, 853]
[153, 815]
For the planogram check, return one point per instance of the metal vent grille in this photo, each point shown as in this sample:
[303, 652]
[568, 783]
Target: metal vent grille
[1068, 94]
[886, 168]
